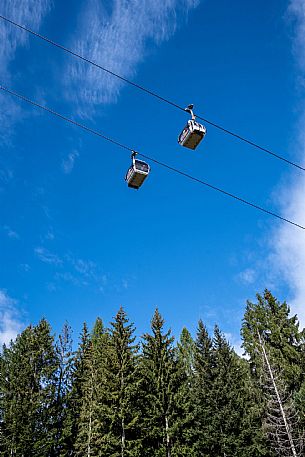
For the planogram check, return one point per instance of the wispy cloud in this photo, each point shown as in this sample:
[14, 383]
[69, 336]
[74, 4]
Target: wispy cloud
[5, 174]
[67, 164]
[49, 236]
[10, 321]
[70, 269]
[67, 268]
[84, 267]
[9, 113]
[47, 257]
[11, 233]
[30, 13]
[117, 40]
[25, 267]
[79, 272]
[296, 11]
[247, 276]
[288, 243]
[287, 257]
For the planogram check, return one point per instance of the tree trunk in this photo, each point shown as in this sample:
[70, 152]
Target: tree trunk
[279, 400]
[168, 451]
[123, 439]
[90, 418]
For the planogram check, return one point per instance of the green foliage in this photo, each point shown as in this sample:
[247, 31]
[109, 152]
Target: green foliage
[111, 399]
[64, 378]
[184, 418]
[159, 384]
[29, 368]
[123, 411]
[91, 393]
[283, 339]
[71, 423]
[284, 344]
[225, 415]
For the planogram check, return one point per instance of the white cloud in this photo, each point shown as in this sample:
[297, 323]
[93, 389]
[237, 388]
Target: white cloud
[125, 283]
[5, 174]
[11, 233]
[47, 257]
[296, 10]
[27, 12]
[84, 267]
[248, 276]
[10, 323]
[67, 164]
[78, 272]
[66, 276]
[70, 269]
[288, 250]
[117, 40]
[50, 236]
[10, 111]
[288, 243]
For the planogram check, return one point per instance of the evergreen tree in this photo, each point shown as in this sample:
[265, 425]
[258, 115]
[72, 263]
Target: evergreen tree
[225, 421]
[283, 339]
[284, 343]
[101, 356]
[64, 379]
[186, 353]
[4, 399]
[71, 421]
[234, 422]
[281, 420]
[159, 388]
[183, 436]
[198, 399]
[123, 388]
[88, 391]
[203, 383]
[28, 393]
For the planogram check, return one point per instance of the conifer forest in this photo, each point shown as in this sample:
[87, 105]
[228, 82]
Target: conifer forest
[114, 393]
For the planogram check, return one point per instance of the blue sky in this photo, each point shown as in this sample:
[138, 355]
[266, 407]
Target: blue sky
[75, 242]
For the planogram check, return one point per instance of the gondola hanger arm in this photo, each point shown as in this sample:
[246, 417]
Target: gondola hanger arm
[189, 109]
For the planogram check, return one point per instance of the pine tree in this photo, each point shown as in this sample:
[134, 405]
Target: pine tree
[183, 436]
[102, 356]
[159, 389]
[4, 399]
[90, 387]
[123, 388]
[203, 382]
[284, 343]
[186, 353]
[284, 340]
[28, 386]
[71, 421]
[225, 420]
[63, 388]
[281, 420]
[233, 419]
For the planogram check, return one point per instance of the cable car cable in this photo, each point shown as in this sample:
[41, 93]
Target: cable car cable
[168, 167]
[65, 118]
[218, 189]
[152, 93]
[91, 62]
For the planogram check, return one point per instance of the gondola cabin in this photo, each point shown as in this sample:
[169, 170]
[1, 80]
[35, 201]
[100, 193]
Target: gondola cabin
[137, 173]
[192, 134]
